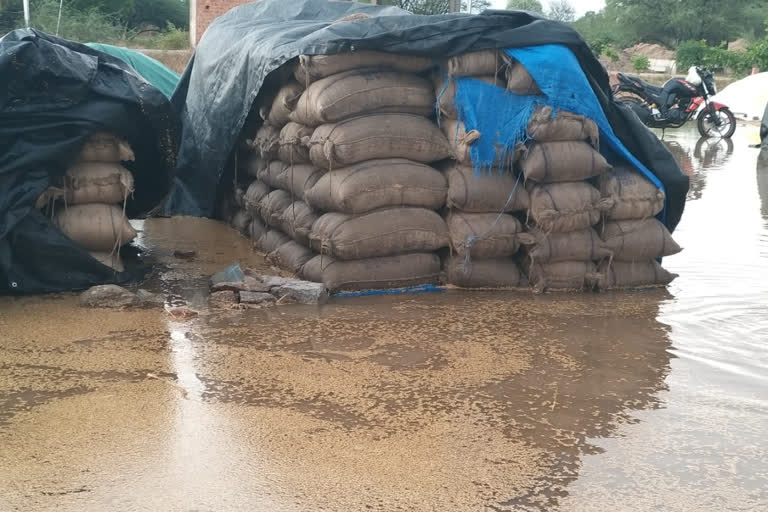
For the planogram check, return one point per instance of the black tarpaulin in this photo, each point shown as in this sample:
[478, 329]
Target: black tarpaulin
[241, 48]
[53, 95]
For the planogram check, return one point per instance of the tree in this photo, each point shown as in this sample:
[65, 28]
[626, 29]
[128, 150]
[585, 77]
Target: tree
[561, 10]
[475, 6]
[424, 6]
[525, 5]
[640, 63]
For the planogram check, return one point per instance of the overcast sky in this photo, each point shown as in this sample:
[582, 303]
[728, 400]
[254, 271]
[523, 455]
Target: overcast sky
[581, 6]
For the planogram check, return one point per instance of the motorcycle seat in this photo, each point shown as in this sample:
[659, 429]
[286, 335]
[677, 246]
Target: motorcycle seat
[653, 90]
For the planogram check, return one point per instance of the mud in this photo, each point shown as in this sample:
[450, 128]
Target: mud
[452, 401]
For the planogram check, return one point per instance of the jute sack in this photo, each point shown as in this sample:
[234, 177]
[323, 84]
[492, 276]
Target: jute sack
[255, 164]
[633, 196]
[291, 256]
[106, 147]
[267, 141]
[297, 221]
[445, 91]
[95, 226]
[110, 259]
[483, 235]
[284, 103]
[639, 240]
[461, 142]
[640, 274]
[239, 195]
[314, 67]
[256, 191]
[97, 182]
[483, 62]
[373, 273]
[480, 193]
[520, 81]
[256, 229]
[293, 143]
[549, 162]
[377, 136]
[272, 206]
[273, 175]
[495, 273]
[563, 126]
[379, 233]
[358, 92]
[569, 206]
[581, 245]
[373, 184]
[271, 240]
[241, 221]
[563, 275]
[297, 179]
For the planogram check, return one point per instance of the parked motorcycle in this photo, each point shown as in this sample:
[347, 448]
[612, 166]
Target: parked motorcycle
[677, 102]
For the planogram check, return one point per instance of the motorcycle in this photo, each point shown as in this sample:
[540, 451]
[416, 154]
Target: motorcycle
[677, 102]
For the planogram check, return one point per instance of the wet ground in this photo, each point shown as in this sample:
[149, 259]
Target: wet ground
[456, 401]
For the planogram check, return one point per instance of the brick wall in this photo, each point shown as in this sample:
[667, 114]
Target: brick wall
[203, 12]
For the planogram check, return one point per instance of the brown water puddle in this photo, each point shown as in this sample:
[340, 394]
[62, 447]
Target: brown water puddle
[452, 401]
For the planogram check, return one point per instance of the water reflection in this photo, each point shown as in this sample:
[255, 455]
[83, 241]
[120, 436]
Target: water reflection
[697, 159]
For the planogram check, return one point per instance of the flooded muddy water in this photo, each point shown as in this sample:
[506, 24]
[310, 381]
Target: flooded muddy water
[642, 401]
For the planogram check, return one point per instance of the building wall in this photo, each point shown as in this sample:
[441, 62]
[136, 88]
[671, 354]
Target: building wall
[203, 12]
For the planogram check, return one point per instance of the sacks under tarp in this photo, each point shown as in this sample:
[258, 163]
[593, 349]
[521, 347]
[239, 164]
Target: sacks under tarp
[55, 94]
[256, 39]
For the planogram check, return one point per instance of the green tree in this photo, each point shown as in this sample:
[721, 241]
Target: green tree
[525, 5]
[423, 6]
[640, 63]
[561, 10]
[475, 6]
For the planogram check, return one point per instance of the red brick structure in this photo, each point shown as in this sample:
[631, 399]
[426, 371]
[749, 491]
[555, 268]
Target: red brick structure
[203, 12]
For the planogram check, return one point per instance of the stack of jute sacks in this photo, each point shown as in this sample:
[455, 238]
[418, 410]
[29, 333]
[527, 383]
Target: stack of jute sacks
[360, 176]
[89, 206]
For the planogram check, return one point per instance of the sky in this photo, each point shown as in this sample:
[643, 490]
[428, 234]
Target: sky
[581, 6]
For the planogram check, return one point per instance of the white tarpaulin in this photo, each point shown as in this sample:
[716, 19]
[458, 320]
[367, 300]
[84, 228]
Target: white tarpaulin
[747, 97]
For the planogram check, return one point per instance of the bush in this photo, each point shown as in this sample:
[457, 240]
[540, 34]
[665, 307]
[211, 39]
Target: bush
[640, 63]
[611, 53]
[173, 39]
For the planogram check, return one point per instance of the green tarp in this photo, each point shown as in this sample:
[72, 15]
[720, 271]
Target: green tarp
[153, 71]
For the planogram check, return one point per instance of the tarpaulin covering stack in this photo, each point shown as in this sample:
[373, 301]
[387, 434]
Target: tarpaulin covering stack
[55, 95]
[377, 98]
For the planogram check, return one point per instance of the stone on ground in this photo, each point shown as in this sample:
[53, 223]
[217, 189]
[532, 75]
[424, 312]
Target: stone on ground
[108, 296]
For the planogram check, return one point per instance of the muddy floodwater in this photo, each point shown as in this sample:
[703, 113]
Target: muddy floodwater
[454, 401]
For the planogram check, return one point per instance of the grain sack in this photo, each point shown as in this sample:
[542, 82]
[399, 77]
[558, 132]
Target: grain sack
[638, 240]
[374, 184]
[633, 196]
[241, 221]
[549, 162]
[483, 62]
[238, 195]
[283, 104]
[563, 275]
[496, 273]
[267, 141]
[272, 174]
[460, 141]
[563, 126]
[105, 147]
[256, 229]
[445, 90]
[110, 259]
[640, 274]
[97, 182]
[358, 92]
[255, 164]
[297, 221]
[293, 141]
[271, 240]
[581, 245]
[481, 193]
[519, 81]
[377, 136]
[373, 273]
[314, 67]
[562, 207]
[291, 256]
[95, 226]
[379, 233]
[297, 179]
[272, 206]
[256, 191]
[484, 235]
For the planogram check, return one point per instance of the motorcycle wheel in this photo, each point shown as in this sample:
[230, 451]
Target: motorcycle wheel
[720, 124]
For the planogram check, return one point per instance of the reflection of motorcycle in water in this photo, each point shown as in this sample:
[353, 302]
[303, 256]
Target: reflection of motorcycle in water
[713, 152]
[707, 154]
